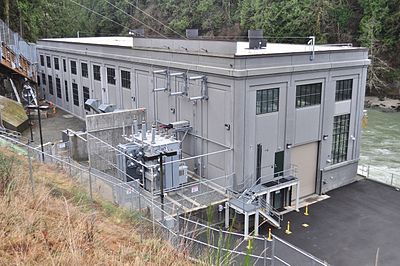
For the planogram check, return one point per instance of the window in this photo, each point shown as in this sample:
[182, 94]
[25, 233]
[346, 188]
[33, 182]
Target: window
[58, 88]
[110, 75]
[75, 94]
[96, 72]
[48, 61]
[84, 67]
[340, 138]
[44, 79]
[65, 65]
[41, 60]
[126, 79]
[51, 90]
[38, 80]
[308, 95]
[344, 89]
[66, 91]
[73, 67]
[267, 101]
[86, 95]
[56, 63]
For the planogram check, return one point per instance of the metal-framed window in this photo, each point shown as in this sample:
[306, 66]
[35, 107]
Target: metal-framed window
[110, 75]
[48, 61]
[65, 65]
[41, 60]
[125, 79]
[51, 90]
[38, 80]
[75, 94]
[85, 71]
[308, 95]
[96, 72]
[43, 78]
[66, 91]
[344, 89]
[340, 138]
[56, 63]
[86, 95]
[267, 101]
[58, 88]
[73, 67]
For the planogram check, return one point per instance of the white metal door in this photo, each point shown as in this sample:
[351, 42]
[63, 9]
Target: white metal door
[305, 158]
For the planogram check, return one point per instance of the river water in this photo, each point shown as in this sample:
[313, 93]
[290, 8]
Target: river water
[380, 141]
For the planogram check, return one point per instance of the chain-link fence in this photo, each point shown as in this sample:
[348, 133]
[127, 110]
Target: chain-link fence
[199, 238]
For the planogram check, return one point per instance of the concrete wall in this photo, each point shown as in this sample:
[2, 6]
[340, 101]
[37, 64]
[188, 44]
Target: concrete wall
[78, 147]
[108, 128]
[339, 175]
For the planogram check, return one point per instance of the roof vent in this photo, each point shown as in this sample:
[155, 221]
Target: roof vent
[137, 32]
[192, 33]
[256, 39]
[106, 108]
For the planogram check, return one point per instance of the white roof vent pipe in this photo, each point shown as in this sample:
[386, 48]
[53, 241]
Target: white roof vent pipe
[256, 39]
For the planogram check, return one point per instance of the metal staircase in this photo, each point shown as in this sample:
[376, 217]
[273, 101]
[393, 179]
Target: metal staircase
[269, 213]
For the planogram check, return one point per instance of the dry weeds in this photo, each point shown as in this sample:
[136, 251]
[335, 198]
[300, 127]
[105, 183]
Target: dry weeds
[59, 226]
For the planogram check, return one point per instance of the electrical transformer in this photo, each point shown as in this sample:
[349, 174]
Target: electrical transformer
[134, 165]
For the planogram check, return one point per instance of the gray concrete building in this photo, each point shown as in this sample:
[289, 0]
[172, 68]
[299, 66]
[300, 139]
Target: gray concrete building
[272, 108]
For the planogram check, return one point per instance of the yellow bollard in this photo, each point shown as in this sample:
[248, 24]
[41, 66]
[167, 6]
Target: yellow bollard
[269, 235]
[306, 211]
[288, 232]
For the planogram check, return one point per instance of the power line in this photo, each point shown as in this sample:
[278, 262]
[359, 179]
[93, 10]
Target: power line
[97, 13]
[147, 14]
[144, 24]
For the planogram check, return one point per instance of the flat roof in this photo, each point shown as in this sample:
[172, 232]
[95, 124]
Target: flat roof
[202, 46]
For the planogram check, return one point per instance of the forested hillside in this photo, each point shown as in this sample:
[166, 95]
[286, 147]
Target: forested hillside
[371, 23]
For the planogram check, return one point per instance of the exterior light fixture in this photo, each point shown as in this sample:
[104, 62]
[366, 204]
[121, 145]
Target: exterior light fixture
[289, 146]
[325, 137]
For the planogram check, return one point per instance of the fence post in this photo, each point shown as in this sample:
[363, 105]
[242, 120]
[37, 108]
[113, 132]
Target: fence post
[69, 159]
[90, 169]
[139, 201]
[273, 251]
[30, 169]
[265, 251]
[368, 172]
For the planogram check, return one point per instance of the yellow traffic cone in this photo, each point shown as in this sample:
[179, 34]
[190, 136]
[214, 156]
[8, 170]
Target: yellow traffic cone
[306, 211]
[288, 232]
[269, 235]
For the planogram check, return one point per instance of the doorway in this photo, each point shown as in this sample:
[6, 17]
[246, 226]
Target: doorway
[281, 198]
[278, 165]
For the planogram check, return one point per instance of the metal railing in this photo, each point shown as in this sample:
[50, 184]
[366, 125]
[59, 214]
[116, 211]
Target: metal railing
[379, 174]
[270, 210]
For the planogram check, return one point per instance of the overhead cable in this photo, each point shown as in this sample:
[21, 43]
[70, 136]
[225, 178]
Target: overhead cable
[144, 24]
[97, 13]
[149, 15]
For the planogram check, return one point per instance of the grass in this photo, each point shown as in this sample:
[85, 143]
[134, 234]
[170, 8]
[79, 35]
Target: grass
[60, 225]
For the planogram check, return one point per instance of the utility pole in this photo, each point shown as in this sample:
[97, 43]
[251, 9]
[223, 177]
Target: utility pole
[160, 157]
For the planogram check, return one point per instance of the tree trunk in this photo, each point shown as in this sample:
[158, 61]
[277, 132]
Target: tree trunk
[7, 11]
